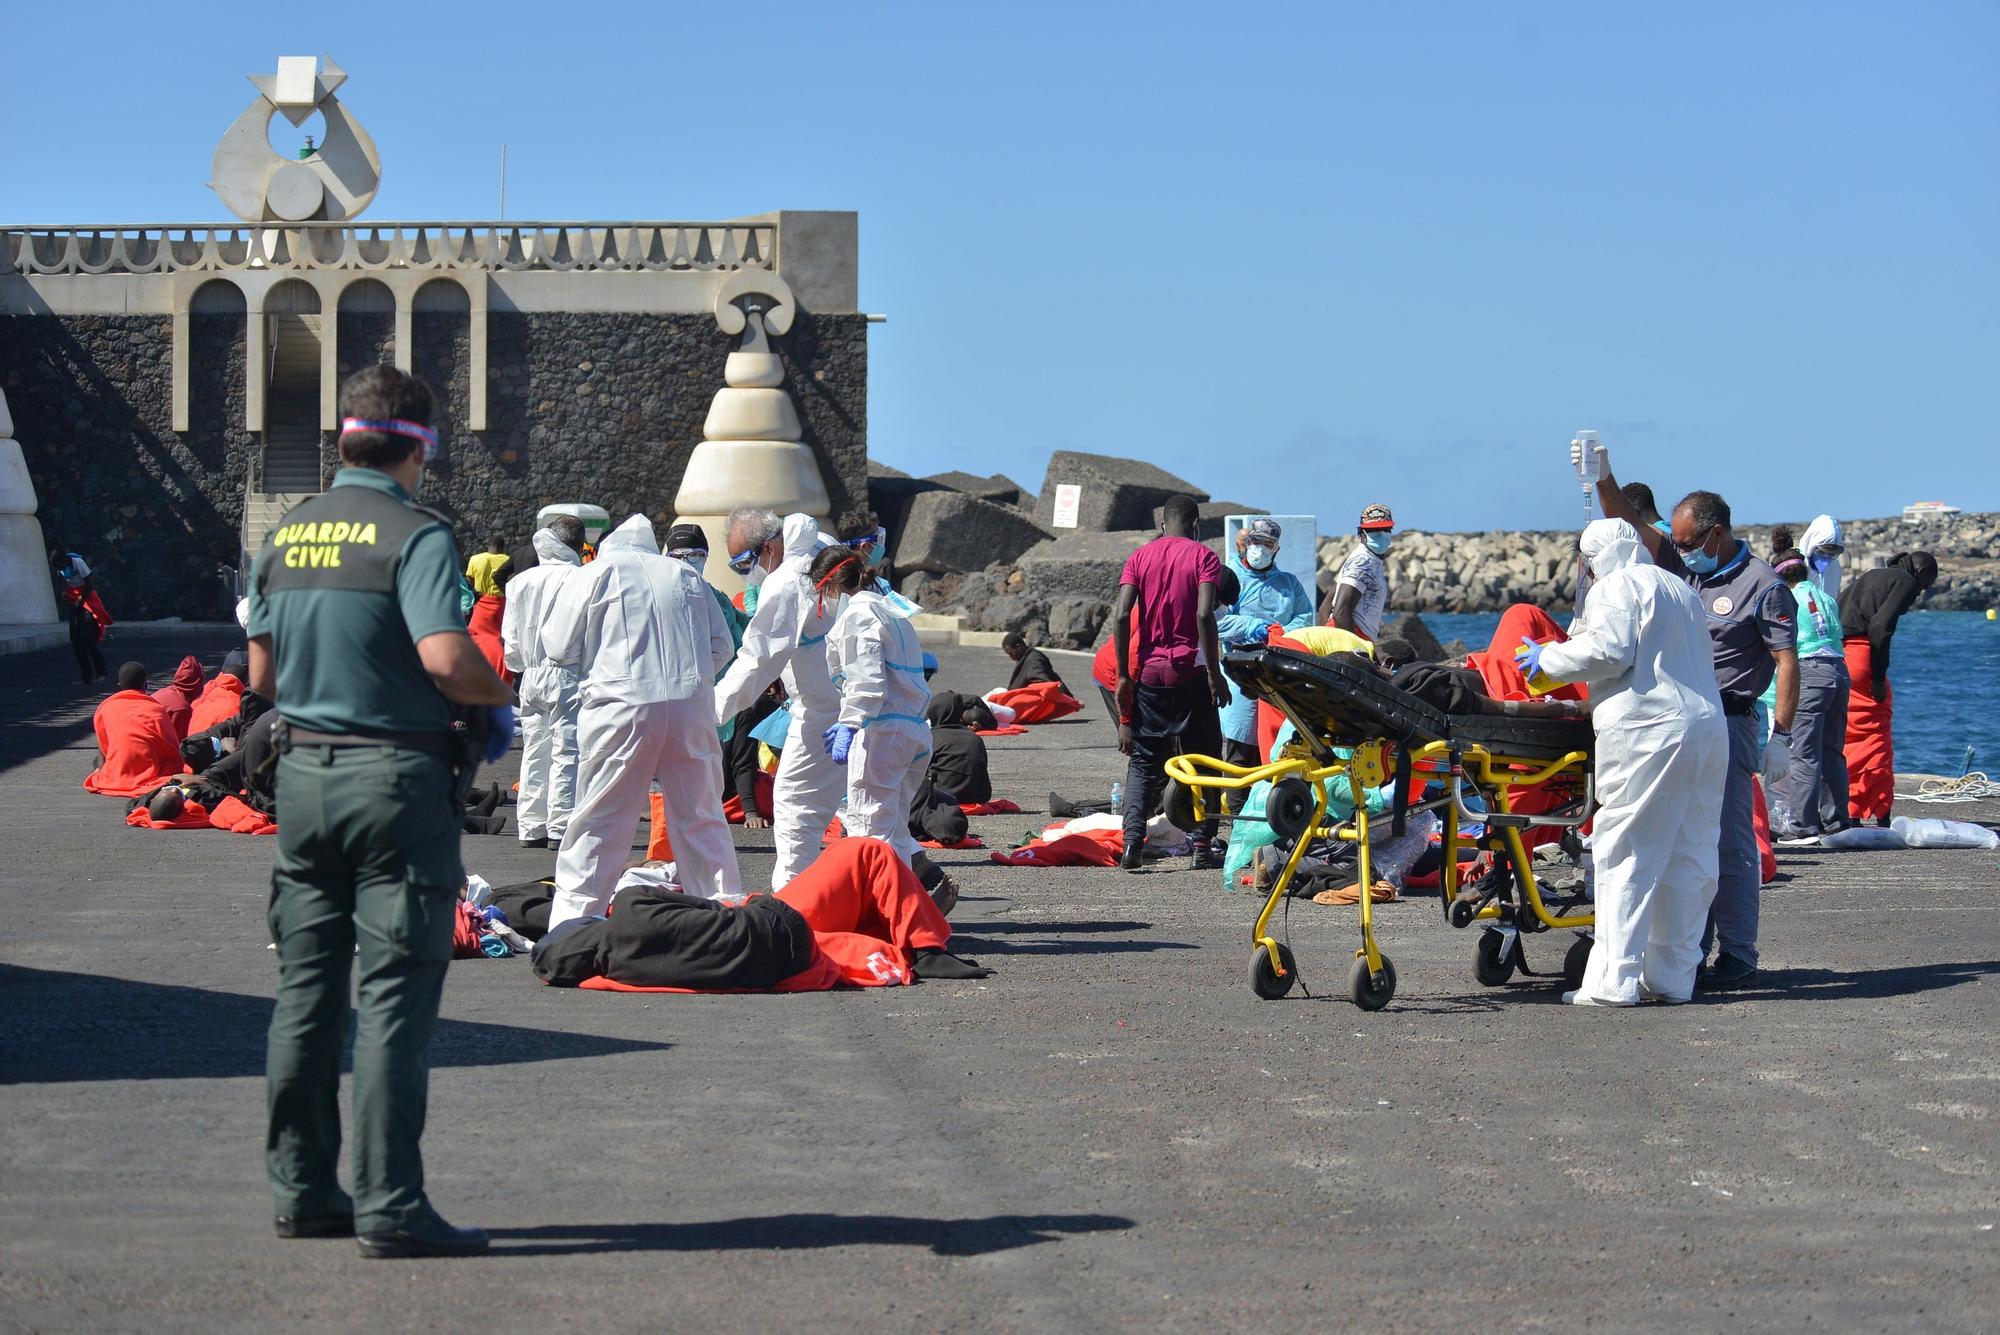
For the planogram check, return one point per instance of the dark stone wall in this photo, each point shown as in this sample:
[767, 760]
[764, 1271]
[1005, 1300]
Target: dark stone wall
[154, 512]
[598, 408]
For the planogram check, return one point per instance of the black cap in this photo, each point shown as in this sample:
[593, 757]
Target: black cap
[683, 537]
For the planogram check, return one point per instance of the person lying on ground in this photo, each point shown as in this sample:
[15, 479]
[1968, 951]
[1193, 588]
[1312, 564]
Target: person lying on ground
[135, 740]
[656, 937]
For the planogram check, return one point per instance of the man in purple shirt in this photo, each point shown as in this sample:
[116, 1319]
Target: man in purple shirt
[1171, 708]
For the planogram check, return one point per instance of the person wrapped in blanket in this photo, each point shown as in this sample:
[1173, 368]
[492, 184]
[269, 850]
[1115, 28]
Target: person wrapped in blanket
[1392, 858]
[656, 936]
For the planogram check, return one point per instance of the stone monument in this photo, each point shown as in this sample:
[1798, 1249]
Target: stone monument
[26, 595]
[335, 181]
[750, 453]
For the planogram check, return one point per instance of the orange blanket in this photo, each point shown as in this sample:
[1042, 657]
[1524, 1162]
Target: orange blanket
[220, 701]
[1496, 665]
[484, 628]
[1039, 703]
[138, 743]
[194, 816]
[1093, 848]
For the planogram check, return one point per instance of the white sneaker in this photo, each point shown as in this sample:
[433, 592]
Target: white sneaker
[1577, 998]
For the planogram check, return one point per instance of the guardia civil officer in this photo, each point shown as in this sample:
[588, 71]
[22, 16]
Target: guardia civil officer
[355, 632]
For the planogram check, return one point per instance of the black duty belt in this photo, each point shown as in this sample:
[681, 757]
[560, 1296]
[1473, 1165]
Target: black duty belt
[436, 744]
[1737, 705]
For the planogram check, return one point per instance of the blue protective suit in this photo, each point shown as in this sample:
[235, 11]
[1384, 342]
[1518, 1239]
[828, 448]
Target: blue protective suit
[1268, 597]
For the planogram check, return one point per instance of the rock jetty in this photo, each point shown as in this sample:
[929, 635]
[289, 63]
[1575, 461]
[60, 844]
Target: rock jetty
[986, 550]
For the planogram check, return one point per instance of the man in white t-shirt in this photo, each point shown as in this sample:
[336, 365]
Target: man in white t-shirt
[1361, 589]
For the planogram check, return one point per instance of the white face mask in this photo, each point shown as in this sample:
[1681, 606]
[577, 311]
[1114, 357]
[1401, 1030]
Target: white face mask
[755, 577]
[1259, 556]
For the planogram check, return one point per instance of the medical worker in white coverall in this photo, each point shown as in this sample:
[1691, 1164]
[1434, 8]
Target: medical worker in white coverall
[881, 735]
[787, 634]
[648, 639]
[549, 692]
[1643, 647]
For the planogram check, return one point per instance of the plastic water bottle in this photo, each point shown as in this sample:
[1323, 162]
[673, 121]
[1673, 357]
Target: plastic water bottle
[1970, 756]
[1117, 798]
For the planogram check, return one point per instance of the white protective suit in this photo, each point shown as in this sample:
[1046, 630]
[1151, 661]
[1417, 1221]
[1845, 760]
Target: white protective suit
[787, 635]
[883, 693]
[548, 692]
[648, 638]
[1662, 754]
[1822, 530]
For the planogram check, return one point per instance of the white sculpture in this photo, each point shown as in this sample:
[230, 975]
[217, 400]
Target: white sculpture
[750, 454]
[336, 181]
[26, 596]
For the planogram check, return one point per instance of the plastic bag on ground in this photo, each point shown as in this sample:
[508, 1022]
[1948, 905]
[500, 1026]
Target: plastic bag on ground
[1934, 833]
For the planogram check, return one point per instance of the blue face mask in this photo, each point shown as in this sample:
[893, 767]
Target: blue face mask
[1821, 562]
[1258, 556]
[1666, 530]
[1699, 562]
[1377, 541]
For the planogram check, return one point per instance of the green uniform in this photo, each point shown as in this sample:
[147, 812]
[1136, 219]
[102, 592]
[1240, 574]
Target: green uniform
[367, 839]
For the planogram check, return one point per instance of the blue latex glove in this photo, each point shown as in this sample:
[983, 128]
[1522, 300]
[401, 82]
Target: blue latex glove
[499, 732]
[839, 739]
[1528, 657]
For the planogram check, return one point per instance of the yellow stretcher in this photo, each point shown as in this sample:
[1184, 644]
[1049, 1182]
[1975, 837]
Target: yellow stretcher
[1336, 706]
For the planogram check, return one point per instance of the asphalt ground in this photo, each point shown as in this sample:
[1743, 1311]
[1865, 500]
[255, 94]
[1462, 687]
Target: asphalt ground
[1110, 1133]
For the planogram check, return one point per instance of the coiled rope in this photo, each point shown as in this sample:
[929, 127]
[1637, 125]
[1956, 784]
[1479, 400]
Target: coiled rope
[1936, 788]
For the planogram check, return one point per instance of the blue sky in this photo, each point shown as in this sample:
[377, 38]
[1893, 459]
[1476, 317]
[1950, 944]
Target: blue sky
[1310, 255]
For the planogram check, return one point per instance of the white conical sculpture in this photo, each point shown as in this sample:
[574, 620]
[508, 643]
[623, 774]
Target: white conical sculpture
[750, 454]
[26, 596]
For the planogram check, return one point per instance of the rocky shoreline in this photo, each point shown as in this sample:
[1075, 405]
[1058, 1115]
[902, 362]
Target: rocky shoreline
[986, 550]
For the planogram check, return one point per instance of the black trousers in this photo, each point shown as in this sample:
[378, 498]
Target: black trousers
[83, 637]
[1167, 721]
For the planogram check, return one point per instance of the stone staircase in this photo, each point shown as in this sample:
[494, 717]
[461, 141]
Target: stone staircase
[291, 429]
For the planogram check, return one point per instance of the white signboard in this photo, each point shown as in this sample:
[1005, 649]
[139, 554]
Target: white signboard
[1069, 496]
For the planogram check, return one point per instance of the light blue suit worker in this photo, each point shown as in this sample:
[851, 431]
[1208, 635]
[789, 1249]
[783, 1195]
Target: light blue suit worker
[1269, 596]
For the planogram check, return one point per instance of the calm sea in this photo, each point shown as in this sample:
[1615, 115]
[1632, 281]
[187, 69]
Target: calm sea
[1945, 668]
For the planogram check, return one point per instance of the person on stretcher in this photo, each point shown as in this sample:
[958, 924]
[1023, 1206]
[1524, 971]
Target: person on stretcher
[656, 937]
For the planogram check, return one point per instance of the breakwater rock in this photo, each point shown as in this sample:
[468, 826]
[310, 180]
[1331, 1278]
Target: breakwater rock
[985, 549]
[1485, 572]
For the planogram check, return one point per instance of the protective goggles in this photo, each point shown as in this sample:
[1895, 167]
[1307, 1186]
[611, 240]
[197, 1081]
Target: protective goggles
[741, 562]
[395, 426]
[875, 539]
[695, 555]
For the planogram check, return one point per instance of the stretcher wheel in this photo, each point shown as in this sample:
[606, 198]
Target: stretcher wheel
[1178, 805]
[1264, 981]
[1574, 962]
[1368, 994]
[1492, 961]
[1461, 912]
[1289, 808]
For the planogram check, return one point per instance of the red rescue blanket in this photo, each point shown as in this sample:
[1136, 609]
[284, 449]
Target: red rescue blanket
[999, 806]
[220, 701]
[138, 743]
[194, 816]
[1039, 703]
[240, 817]
[484, 628]
[1092, 848]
